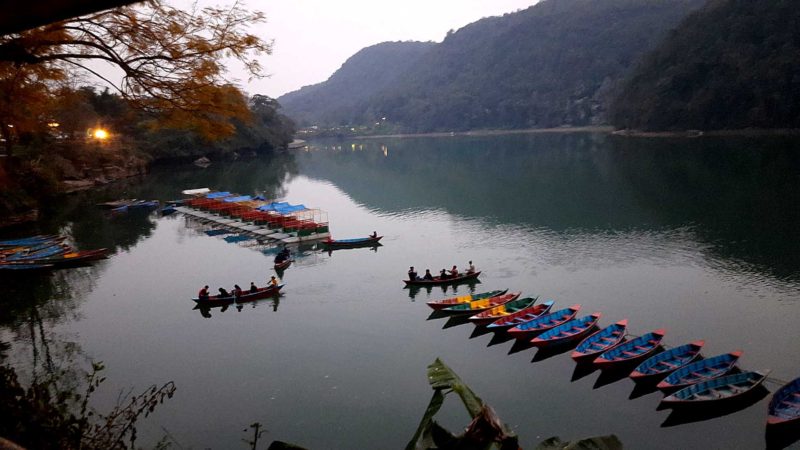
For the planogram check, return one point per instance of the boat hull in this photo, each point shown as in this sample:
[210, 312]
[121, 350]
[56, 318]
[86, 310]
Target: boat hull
[667, 362]
[717, 390]
[438, 282]
[216, 300]
[700, 371]
[448, 302]
[633, 350]
[601, 341]
[352, 243]
[784, 406]
[567, 332]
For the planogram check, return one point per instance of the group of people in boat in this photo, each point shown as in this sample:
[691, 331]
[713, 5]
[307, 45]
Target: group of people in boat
[443, 274]
[237, 291]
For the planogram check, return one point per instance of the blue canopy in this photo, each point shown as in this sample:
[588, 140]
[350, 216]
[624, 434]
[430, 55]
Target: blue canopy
[272, 206]
[218, 194]
[290, 209]
[241, 198]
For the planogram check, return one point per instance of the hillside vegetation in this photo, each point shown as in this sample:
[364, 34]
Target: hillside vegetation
[341, 99]
[556, 63]
[731, 65]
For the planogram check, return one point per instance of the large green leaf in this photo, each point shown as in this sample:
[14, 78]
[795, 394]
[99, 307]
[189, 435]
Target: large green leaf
[423, 435]
[442, 377]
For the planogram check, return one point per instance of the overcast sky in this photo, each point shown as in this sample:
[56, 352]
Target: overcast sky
[314, 37]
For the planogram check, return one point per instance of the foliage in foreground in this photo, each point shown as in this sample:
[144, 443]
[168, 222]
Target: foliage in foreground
[486, 430]
[45, 416]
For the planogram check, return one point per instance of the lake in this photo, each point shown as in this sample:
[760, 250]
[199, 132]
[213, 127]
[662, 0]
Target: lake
[697, 236]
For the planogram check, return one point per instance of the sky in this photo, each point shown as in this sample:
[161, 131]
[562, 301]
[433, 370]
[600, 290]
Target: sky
[313, 38]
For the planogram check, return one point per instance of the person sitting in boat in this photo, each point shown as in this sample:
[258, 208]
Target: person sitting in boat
[224, 293]
[273, 281]
[283, 255]
[428, 275]
[443, 275]
[253, 288]
[203, 294]
[470, 268]
[412, 274]
[454, 272]
[237, 291]
[374, 234]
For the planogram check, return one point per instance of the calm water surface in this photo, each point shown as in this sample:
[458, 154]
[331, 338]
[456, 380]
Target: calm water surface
[696, 236]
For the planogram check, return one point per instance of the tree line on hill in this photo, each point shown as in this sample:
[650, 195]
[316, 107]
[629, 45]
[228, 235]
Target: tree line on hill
[644, 64]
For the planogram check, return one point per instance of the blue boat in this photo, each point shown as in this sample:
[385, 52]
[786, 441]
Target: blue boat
[28, 241]
[668, 361]
[722, 388]
[784, 407]
[544, 322]
[52, 250]
[25, 266]
[632, 350]
[702, 370]
[605, 339]
[568, 331]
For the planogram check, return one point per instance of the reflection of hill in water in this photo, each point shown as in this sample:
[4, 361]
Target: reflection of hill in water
[738, 195]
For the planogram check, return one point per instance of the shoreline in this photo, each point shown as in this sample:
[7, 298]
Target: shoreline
[600, 129]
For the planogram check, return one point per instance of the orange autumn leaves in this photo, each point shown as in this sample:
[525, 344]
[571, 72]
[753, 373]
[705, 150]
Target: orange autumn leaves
[168, 62]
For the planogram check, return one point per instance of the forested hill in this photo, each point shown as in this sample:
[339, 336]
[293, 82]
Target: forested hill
[555, 63]
[732, 64]
[363, 75]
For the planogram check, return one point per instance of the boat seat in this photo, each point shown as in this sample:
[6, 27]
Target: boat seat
[639, 347]
[669, 364]
[628, 353]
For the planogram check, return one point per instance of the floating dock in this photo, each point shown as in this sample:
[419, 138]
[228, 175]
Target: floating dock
[261, 233]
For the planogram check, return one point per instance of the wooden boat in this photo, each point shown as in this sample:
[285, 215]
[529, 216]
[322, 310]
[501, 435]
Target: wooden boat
[23, 267]
[447, 302]
[438, 281]
[717, 389]
[567, 331]
[30, 249]
[490, 315]
[34, 253]
[668, 361]
[702, 370]
[632, 350]
[247, 296]
[522, 316]
[544, 322]
[604, 340]
[351, 243]
[32, 240]
[482, 304]
[784, 407]
[65, 260]
[283, 265]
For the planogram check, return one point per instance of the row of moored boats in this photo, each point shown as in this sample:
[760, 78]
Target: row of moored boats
[44, 252]
[680, 371]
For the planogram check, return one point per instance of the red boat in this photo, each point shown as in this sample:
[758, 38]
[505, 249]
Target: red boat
[283, 265]
[247, 296]
[438, 281]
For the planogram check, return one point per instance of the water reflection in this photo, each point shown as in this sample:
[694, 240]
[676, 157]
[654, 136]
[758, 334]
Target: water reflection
[732, 200]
